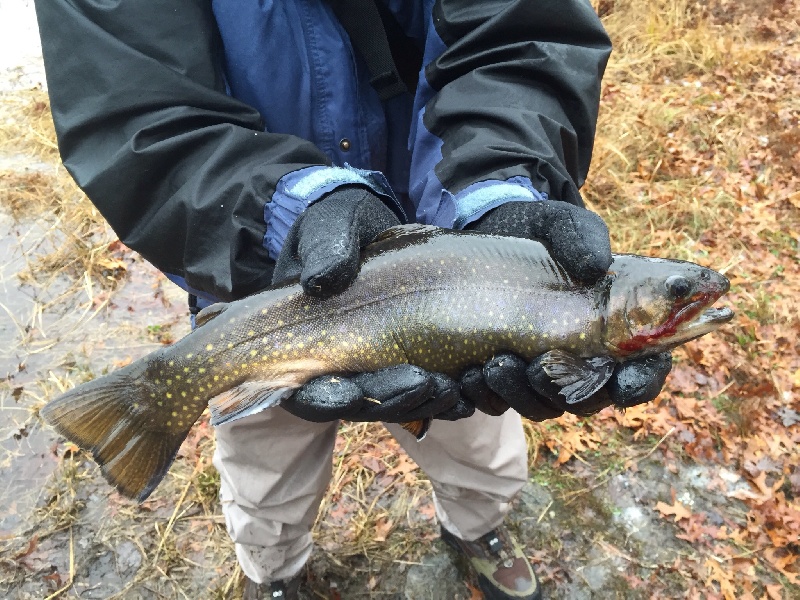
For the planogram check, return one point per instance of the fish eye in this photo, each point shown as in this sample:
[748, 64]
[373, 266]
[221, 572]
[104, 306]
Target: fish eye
[677, 286]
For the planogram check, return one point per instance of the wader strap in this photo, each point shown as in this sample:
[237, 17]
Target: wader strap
[362, 21]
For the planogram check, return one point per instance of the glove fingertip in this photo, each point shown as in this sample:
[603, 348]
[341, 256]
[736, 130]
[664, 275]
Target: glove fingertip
[639, 381]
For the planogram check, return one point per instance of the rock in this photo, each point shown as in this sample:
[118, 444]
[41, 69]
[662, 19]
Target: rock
[129, 559]
[532, 501]
[437, 578]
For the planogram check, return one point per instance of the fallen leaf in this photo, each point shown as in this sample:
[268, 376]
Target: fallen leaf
[678, 510]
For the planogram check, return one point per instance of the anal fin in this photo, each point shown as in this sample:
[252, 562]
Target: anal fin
[578, 378]
[245, 399]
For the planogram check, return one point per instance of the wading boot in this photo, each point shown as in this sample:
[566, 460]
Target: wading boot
[274, 590]
[503, 570]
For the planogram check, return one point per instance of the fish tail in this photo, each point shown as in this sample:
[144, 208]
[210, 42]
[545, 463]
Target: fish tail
[110, 418]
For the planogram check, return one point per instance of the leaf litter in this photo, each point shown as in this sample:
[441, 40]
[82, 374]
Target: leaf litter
[696, 495]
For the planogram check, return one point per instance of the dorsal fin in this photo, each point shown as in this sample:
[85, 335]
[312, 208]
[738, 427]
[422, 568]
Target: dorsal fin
[208, 313]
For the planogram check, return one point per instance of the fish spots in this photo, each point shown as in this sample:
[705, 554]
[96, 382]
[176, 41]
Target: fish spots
[209, 347]
[190, 355]
[169, 381]
[253, 352]
[169, 396]
[201, 370]
[582, 336]
[183, 394]
[230, 345]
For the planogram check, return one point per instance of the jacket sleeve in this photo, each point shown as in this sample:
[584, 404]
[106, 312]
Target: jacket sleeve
[506, 108]
[180, 170]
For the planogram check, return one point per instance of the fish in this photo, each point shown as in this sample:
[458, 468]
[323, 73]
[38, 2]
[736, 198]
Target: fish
[440, 299]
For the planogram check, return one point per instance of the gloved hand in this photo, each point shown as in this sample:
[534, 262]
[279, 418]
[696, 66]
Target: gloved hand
[578, 240]
[506, 381]
[322, 249]
[397, 394]
[323, 245]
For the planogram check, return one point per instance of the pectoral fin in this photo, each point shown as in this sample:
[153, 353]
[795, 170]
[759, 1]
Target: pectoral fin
[245, 399]
[578, 378]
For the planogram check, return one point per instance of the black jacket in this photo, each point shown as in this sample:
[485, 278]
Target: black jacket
[203, 185]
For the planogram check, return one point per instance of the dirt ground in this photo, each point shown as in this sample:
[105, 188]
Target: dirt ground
[696, 495]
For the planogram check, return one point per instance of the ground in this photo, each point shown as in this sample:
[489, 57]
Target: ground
[696, 495]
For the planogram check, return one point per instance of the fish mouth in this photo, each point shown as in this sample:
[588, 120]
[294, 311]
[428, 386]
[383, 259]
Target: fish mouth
[704, 322]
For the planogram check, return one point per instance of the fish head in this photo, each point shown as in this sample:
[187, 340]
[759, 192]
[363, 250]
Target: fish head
[655, 304]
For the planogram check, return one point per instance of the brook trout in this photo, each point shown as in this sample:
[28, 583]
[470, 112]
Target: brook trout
[439, 299]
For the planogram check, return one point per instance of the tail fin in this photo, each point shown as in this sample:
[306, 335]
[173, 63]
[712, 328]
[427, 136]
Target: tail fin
[109, 418]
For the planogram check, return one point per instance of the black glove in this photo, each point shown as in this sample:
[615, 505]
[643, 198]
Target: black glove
[508, 381]
[397, 394]
[578, 240]
[322, 247]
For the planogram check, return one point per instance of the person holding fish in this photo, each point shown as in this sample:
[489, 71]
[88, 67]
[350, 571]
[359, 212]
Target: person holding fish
[241, 145]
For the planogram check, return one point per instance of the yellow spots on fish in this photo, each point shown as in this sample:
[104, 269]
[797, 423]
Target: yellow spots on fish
[200, 389]
[306, 307]
[209, 347]
[280, 322]
[152, 395]
[230, 345]
[183, 394]
[577, 320]
[135, 405]
[253, 352]
[171, 364]
[201, 370]
[160, 403]
[275, 353]
[289, 334]
[264, 311]
[174, 414]
[545, 336]
[185, 369]
[216, 377]
[169, 423]
[251, 333]
[178, 377]
[190, 355]
[169, 396]
[169, 381]
[582, 336]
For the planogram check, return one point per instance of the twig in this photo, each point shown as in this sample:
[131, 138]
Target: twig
[653, 449]
[174, 516]
[544, 512]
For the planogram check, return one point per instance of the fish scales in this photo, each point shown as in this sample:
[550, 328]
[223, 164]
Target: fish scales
[437, 299]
